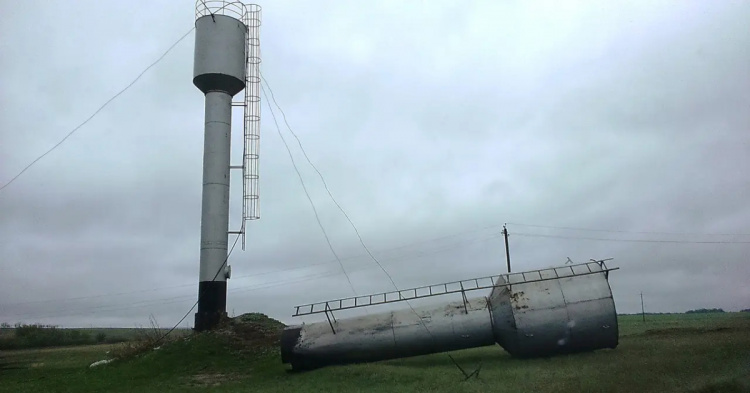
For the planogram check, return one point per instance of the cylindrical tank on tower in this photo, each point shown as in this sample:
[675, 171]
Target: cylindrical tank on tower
[220, 47]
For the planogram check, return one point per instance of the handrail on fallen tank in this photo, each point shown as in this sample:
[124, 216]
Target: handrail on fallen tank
[463, 286]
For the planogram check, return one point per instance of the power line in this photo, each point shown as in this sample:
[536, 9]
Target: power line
[131, 305]
[322, 179]
[102, 308]
[434, 239]
[97, 111]
[94, 296]
[414, 254]
[633, 232]
[171, 300]
[157, 302]
[153, 302]
[356, 231]
[307, 194]
[634, 240]
[240, 289]
[221, 268]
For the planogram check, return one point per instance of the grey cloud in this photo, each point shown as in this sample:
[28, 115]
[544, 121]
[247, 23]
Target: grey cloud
[425, 120]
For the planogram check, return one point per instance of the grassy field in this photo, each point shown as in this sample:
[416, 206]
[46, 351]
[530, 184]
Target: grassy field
[669, 353]
[121, 333]
[35, 336]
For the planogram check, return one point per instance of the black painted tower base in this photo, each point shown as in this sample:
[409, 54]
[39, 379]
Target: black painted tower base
[212, 304]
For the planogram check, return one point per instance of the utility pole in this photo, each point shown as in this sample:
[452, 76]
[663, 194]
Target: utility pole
[507, 250]
[643, 310]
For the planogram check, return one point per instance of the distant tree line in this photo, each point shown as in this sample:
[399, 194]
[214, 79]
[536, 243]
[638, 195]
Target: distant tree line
[704, 311]
[38, 336]
[653, 313]
[698, 311]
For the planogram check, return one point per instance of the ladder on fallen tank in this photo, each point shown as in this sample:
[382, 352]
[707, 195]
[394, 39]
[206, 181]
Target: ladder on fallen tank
[462, 286]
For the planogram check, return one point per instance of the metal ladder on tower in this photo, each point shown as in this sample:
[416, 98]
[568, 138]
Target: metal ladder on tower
[251, 121]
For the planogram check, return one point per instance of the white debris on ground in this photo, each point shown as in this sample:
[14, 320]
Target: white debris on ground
[101, 362]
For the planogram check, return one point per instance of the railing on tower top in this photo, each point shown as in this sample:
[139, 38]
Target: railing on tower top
[235, 9]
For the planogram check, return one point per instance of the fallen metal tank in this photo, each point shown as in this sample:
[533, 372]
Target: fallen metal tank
[530, 314]
[559, 310]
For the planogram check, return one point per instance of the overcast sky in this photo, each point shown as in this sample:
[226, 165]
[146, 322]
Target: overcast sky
[433, 124]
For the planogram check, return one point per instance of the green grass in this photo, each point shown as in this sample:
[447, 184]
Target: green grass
[127, 333]
[36, 336]
[123, 333]
[670, 353]
[633, 324]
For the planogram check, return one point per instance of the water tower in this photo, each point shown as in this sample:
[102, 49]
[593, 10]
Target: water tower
[227, 60]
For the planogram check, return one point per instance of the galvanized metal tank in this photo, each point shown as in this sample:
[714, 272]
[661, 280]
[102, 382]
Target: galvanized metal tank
[539, 313]
[389, 335]
[559, 310]
[220, 53]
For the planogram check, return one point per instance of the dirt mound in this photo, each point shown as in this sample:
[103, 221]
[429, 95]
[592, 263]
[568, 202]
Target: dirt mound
[252, 331]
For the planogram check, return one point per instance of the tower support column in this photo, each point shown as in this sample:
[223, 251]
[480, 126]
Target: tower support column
[212, 289]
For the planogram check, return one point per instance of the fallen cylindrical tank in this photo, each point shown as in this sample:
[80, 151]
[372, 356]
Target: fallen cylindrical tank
[538, 313]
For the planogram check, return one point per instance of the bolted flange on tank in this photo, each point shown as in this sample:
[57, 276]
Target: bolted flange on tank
[531, 314]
